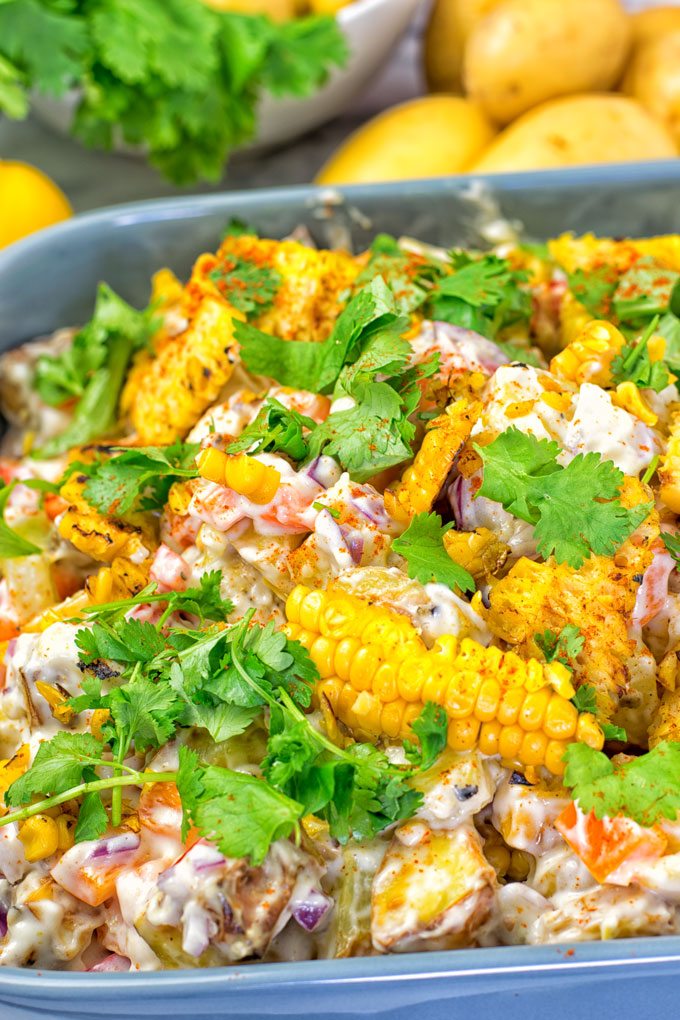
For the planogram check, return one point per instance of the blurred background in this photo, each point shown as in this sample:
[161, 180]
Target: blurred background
[116, 100]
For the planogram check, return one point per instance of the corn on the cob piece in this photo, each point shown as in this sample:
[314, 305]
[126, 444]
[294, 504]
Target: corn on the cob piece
[589, 356]
[377, 675]
[669, 469]
[249, 477]
[480, 552]
[166, 399]
[312, 284]
[421, 483]
[104, 537]
[589, 251]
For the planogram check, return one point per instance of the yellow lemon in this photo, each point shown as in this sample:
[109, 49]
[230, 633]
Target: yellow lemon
[29, 201]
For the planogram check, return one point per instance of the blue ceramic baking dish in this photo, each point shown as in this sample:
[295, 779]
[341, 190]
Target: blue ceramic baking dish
[48, 281]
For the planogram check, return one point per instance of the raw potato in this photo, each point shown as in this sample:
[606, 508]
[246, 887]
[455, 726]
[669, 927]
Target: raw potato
[528, 51]
[577, 130]
[449, 26]
[653, 78]
[428, 137]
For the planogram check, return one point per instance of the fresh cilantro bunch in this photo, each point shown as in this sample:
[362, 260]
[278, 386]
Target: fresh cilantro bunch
[178, 78]
[482, 293]
[136, 478]
[91, 371]
[645, 789]
[422, 546]
[575, 510]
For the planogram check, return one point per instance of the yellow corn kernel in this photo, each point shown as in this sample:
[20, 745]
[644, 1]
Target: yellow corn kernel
[628, 396]
[488, 700]
[56, 698]
[368, 711]
[40, 837]
[323, 653]
[589, 356]
[345, 653]
[554, 753]
[101, 589]
[294, 602]
[559, 678]
[391, 718]
[656, 347]
[411, 677]
[339, 618]
[510, 741]
[330, 690]
[250, 478]
[519, 409]
[310, 610]
[363, 668]
[463, 733]
[346, 701]
[66, 825]
[557, 401]
[11, 769]
[669, 469]
[489, 737]
[498, 856]
[533, 709]
[435, 686]
[461, 695]
[561, 718]
[511, 702]
[519, 866]
[385, 683]
[533, 748]
[480, 552]
[588, 731]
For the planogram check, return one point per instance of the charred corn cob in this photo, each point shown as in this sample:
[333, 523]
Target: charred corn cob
[103, 536]
[249, 477]
[422, 482]
[169, 396]
[480, 552]
[669, 470]
[377, 674]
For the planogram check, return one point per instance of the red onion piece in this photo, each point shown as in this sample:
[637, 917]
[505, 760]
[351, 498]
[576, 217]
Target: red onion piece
[111, 963]
[3, 920]
[373, 509]
[354, 543]
[310, 912]
[122, 844]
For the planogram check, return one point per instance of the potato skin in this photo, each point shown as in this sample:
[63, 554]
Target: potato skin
[450, 24]
[653, 22]
[428, 137]
[528, 51]
[578, 130]
[653, 78]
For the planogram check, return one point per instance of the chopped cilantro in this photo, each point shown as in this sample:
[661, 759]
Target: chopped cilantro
[275, 429]
[634, 363]
[136, 478]
[645, 789]
[431, 729]
[483, 294]
[594, 289]
[574, 509]
[246, 286]
[672, 543]
[563, 647]
[422, 547]
[585, 699]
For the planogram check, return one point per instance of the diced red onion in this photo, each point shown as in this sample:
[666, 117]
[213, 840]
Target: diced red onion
[455, 494]
[114, 845]
[3, 920]
[310, 912]
[354, 543]
[11, 647]
[197, 928]
[111, 963]
[373, 508]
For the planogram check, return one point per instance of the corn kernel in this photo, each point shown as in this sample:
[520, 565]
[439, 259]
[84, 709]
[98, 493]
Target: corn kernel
[56, 699]
[519, 866]
[330, 690]
[533, 709]
[489, 737]
[391, 718]
[488, 700]
[294, 602]
[346, 700]
[510, 742]
[511, 702]
[532, 751]
[559, 678]
[345, 652]
[411, 676]
[40, 837]
[588, 731]
[461, 695]
[554, 753]
[561, 718]
[211, 463]
[519, 409]
[66, 825]
[385, 683]
[310, 610]
[557, 401]
[323, 654]
[628, 396]
[498, 856]
[463, 733]
[363, 668]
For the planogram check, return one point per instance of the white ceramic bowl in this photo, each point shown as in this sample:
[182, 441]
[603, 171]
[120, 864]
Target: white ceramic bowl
[372, 29]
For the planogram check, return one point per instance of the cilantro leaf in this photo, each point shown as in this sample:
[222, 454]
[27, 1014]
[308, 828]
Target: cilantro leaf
[563, 647]
[222, 721]
[612, 732]
[45, 42]
[242, 815]
[275, 429]
[422, 547]
[645, 789]
[431, 728]
[204, 601]
[92, 818]
[594, 289]
[483, 293]
[12, 544]
[585, 699]
[371, 436]
[93, 370]
[634, 363]
[125, 641]
[144, 713]
[138, 478]
[316, 366]
[409, 276]
[574, 509]
[58, 765]
[247, 287]
[672, 543]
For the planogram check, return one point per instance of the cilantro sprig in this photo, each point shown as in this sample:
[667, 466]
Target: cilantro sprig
[422, 546]
[634, 363]
[483, 293]
[564, 647]
[575, 509]
[645, 789]
[137, 478]
[275, 429]
[92, 370]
